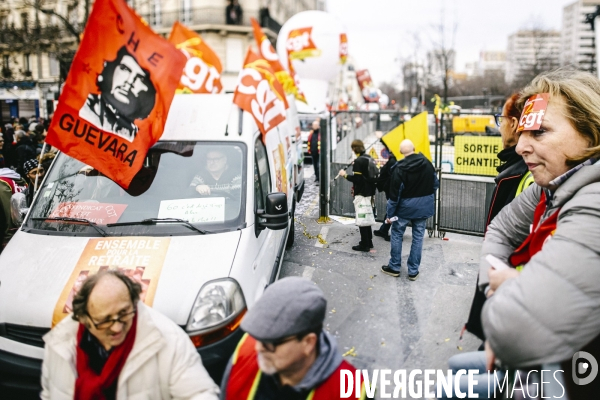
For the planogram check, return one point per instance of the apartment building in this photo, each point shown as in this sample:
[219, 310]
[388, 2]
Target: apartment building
[32, 72]
[531, 52]
[577, 38]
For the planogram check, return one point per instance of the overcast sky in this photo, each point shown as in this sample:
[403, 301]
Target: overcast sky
[381, 31]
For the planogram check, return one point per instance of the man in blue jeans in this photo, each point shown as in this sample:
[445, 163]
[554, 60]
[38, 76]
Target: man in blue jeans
[412, 187]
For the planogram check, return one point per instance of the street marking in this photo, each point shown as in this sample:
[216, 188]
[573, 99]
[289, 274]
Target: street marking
[308, 272]
[324, 231]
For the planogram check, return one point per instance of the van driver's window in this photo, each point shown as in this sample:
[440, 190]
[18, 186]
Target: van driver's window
[199, 183]
[264, 180]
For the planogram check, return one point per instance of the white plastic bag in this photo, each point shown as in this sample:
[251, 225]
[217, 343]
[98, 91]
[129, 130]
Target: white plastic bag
[364, 211]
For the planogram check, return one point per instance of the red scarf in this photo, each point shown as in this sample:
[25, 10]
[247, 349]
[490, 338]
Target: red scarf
[540, 233]
[90, 386]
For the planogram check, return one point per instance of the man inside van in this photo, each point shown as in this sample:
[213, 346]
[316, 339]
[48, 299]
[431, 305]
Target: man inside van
[285, 353]
[217, 178]
[114, 346]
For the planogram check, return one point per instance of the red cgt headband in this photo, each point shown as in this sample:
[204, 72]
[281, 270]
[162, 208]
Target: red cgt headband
[533, 112]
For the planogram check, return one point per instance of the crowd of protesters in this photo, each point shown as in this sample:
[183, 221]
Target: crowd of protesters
[22, 166]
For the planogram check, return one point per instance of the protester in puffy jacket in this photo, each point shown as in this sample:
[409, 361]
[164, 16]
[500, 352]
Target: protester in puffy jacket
[113, 346]
[551, 232]
[362, 187]
[513, 177]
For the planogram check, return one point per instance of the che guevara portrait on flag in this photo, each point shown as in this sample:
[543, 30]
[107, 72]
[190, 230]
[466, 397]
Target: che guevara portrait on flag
[126, 93]
[116, 98]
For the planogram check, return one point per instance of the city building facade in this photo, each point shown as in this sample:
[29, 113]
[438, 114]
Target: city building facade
[577, 38]
[530, 52]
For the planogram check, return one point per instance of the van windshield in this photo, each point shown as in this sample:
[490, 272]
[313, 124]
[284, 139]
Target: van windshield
[183, 188]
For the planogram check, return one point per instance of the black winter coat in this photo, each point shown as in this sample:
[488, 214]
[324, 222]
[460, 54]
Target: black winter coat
[360, 170]
[25, 151]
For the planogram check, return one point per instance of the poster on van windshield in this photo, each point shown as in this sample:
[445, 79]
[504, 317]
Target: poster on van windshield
[140, 258]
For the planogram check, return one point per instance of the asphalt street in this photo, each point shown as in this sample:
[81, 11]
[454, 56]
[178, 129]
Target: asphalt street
[382, 322]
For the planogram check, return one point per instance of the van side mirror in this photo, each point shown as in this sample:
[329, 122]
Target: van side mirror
[275, 215]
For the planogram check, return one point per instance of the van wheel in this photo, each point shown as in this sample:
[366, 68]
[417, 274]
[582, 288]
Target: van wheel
[291, 234]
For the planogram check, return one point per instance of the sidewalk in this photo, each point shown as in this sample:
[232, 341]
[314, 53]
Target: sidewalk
[388, 322]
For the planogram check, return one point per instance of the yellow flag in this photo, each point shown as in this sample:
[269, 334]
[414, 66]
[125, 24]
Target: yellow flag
[416, 130]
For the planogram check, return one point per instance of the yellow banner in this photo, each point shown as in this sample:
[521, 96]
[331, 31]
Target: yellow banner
[416, 129]
[477, 155]
[140, 258]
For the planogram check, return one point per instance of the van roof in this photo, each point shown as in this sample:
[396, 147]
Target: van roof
[200, 117]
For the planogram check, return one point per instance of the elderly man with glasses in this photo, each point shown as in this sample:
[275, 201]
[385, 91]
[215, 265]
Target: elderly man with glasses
[115, 347]
[285, 353]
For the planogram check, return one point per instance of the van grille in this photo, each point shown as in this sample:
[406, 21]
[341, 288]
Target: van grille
[30, 335]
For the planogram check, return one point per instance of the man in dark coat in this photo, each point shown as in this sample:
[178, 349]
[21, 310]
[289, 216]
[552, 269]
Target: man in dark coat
[412, 188]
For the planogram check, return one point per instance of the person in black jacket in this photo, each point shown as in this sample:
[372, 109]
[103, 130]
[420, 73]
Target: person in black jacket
[24, 150]
[362, 187]
[383, 185]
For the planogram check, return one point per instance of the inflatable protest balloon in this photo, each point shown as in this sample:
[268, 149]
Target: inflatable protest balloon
[313, 44]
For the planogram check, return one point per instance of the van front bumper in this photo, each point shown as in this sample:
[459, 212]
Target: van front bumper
[20, 372]
[215, 356]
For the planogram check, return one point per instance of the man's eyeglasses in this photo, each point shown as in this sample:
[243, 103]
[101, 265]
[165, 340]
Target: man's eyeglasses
[498, 118]
[271, 347]
[213, 160]
[124, 318]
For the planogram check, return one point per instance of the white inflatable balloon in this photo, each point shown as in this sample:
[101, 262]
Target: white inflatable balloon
[312, 40]
[311, 44]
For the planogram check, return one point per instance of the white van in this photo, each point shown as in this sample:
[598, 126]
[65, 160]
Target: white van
[203, 251]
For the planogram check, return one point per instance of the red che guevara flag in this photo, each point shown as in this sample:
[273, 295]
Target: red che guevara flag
[259, 92]
[202, 71]
[117, 95]
[266, 51]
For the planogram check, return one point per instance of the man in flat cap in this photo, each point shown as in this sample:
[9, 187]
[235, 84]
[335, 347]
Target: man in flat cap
[285, 353]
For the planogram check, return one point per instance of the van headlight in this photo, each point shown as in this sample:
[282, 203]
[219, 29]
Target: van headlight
[218, 303]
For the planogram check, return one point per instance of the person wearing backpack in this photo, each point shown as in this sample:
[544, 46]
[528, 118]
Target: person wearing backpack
[363, 177]
[383, 185]
[412, 188]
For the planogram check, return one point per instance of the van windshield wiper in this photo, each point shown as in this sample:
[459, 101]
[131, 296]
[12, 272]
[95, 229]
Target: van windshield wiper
[69, 219]
[154, 221]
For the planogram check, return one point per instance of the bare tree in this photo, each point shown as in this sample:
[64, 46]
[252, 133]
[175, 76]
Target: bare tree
[442, 58]
[45, 29]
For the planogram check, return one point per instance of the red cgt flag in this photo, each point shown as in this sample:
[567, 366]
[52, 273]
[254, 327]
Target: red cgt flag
[117, 96]
[266, 51]
[202, 72]
[259, 93]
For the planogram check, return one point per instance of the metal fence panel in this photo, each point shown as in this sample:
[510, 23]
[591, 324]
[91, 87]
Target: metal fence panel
[464, 203]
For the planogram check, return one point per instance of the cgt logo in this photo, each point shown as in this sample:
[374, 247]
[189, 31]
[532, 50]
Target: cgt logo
[585, 368]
